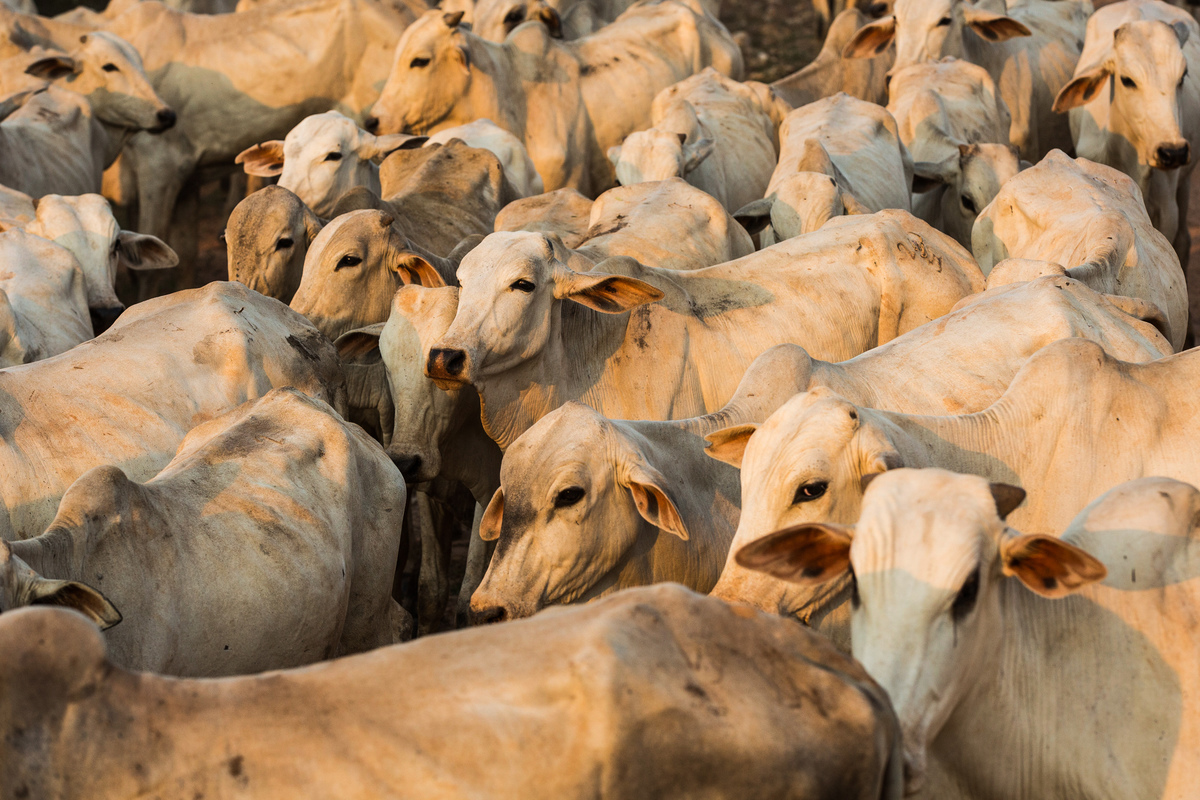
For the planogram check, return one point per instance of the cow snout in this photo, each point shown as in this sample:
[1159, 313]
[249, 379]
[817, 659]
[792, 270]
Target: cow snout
[1173, 155]
[408, 465]
[166, 119]
[371, 123]
[103, 318]
[488, 614]
[446, 363]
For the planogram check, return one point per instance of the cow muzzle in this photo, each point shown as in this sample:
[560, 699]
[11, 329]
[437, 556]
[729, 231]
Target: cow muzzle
[1172, 155]
[166, 119]
[488, 614]
[448, 364]
[103, 318]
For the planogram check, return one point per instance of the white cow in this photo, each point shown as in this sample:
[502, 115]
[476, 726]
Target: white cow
[133, 393]
[1135, 105]
[840, 155]
[711, 131]
[991, 643]
[276, 528]
[955, 125]
[1090, 219]
[524, 313]
[1030, 50]
[43, 300]
[574, 704]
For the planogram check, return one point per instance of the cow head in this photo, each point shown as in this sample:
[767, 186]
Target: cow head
[266, 240]
[85, 225]
[1149, 77]
[577, 495]
[972, 175]
[804, 464]
[108, 71]
[927, 30]
[430, 75]
[927, 562]
[514, 289]
[324, 157]
[496, 19]
[662, 153]
[353, 268]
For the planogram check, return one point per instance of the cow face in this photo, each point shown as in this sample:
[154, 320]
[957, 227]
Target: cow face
[972, 176]
[324, 157]
[928, 30]
[514, 288]
[267, 238]
[108, 71]
[86, 226]
[804, 464]
[577, 497]
[1148, 73]
[928, 562]
[496, 19]
[661, 154]
[353, 268]
[430, 75]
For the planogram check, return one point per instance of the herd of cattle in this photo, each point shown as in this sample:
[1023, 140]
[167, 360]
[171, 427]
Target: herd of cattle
[890, 348]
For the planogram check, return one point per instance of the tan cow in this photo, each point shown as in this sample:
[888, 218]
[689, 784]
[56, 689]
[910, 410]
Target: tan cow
[525, 314]
[239, 79]
[955, 125]
[267, 239]
[269, 541]
[1030, 51]
[567, 102]
[133, 393]
[43, 299]
[563, 212]
[1135, 105]
[831, 72]
[840, 155]
[709, 130]
[570, 705]
[1090, 219]
[991, 643]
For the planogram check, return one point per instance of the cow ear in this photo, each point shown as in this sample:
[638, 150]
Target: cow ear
[493, 515]
[264, 160]
[1182, 31]
[52, 67]
[929, 175]
[755, 216]
[994, 27]
[852, 206]
[614, 154]
[652, 501]
[377, 148]
[1049, 566]
[312, 224]
[412, 268]
[815, 158]
[882, 462]
[1081, 90]
[729, 444]
[1007, 498]
[139, 251]
[463, 56]
[871, 40]
[608, 294]
[694, 154]
[361, 345]
[808, 554]
[77, 596]
[550, 18]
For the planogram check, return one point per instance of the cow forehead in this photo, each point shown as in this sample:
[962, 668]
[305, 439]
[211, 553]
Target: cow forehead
[1148, 45]
[322, 129]
[922, 12]
[502, 251]
[571, 437]
[934, 525]
[104, 43]
[425, 32]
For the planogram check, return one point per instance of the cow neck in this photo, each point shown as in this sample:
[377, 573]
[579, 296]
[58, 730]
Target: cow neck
[970, 443]
[845, 379]
[1060, 666]
[55, 554]
[492, 78]
[109, 140]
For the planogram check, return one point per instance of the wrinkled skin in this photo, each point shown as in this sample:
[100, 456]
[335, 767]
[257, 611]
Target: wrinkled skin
[267, 238]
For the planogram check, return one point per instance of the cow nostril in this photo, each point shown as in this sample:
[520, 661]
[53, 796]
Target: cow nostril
[408, 465]
[448, 361]
[103, 318]
[1173, 156]
[166, 119]
[371, 123]
[489, 615]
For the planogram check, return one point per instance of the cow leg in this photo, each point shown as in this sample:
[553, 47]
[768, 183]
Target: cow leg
[479, 554]
[433, 586]
[400, 623]
[1183, 247]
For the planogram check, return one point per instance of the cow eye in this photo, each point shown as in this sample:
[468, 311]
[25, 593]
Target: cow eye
[1127, 82]
[969, 205]
[348, 261]
[810, 491]
[944, 21]
[283, 244]
[418, 63]
[334, 156]
[965, 600]
[522, 285]
[568, 497]
[111, 68]
[514, 16]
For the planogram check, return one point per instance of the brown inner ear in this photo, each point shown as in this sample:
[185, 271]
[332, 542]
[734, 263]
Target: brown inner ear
[729, 444]
[493, 517]
[810, 553]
